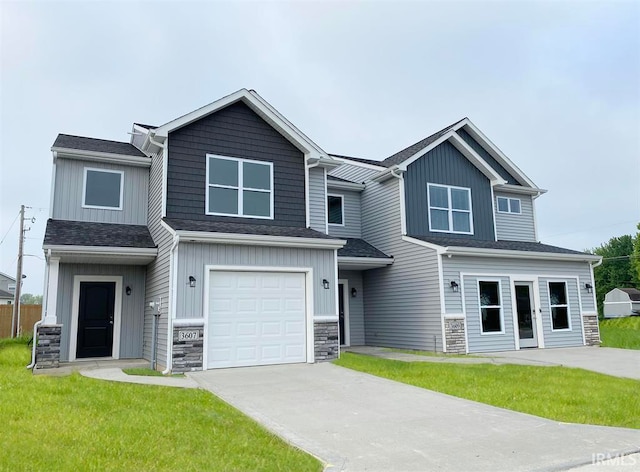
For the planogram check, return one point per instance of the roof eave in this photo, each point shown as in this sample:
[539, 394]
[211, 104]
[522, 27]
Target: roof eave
[97, 156]
[511, 254]
[259, 240]
[337, 184]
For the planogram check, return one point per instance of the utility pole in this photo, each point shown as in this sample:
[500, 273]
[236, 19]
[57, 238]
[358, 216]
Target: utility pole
[16, 299]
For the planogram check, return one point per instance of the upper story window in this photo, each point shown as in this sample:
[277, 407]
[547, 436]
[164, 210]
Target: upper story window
[335, 210]
[102, 189]
[239, 187]
[490, 307]
[559, 306]
[450, 209]
[509, 205]
[11, 288]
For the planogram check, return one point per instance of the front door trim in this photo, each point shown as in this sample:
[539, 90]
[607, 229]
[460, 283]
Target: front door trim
[345, 307]
[536, 308]
[75, 309]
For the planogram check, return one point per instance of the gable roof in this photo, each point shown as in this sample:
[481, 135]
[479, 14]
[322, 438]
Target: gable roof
[634, 293]
[356, 247]
[261, 107]
[82, 143]
[6, 295]
[13, 279]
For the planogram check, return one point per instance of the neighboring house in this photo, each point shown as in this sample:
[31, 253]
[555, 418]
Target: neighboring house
[7, 289]
[228, 238]
[621, 302]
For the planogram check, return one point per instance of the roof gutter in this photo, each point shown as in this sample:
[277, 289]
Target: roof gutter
[100, 156]
[393, 171]
[325, 162]
[481, 252]
[259, 240]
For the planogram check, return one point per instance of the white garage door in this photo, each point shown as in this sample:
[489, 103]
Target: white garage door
[256, 318]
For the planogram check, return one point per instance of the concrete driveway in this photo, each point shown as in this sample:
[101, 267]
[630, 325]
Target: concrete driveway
[606, 360]
[355, 422]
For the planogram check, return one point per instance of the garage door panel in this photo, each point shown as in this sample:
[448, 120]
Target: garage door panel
[256, 318]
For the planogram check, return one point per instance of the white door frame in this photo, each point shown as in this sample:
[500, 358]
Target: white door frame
[535, 295]
[345, 307]
[308, 271]
[75, 309]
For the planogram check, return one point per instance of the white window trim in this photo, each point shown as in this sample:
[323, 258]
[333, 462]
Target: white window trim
[450, 210]
[509, 211]
[500, 307]
[240, 188]
[341, 209]
[84, 188]
[11, 288]
[567, 305]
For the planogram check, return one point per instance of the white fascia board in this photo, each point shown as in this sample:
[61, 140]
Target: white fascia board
[404, 164]
[495, 152]
[510, 254]
[346, 160]
[473, 157]
[393, 171]
[419, 242]
[325, 162]
[369, 262]
[259, 240]
[339, 184]
[520, 190]
[101, 250]
[100, 157]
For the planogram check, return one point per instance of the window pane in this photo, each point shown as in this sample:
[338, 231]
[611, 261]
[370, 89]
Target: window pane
[256, 203]
[515, 205]
[334, 210]
[459, 199]
[438, 196]
[557, 293]
[489, 293]
[491, 320]
[103, 189]
[503, 204]
[256, 176]
[439, 220]
[223, 172]
[223, 200]
[560, 317]
[461, 222]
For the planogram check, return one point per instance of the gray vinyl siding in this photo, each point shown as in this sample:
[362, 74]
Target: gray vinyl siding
[447, 166]
[354, 173]
[514, 227]
[317, 199]
[193, 257]
[356, 306]
[488, 158]
[68, 197]
[402, 302]
[352, 217]
[511, 269]
[158, 280]
[234, 131]
[132, 319]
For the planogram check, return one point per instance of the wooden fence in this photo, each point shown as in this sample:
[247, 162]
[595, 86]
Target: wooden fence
[29, 314]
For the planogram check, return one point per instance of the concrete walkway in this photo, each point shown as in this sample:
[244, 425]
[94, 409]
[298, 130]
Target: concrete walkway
[116, 374]
[357, 422]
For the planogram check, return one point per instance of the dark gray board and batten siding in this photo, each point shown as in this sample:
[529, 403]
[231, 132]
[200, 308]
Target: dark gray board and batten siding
[447, 166]
[235, 131]
[488, 158]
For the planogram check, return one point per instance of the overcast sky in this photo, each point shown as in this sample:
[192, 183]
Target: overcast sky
[556, 85]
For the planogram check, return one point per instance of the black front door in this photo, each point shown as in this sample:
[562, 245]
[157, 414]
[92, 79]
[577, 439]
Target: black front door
[95, 319]
[341, 312]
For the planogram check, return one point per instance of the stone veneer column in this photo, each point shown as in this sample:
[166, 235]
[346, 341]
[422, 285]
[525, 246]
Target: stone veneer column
[454, 336]
[326, 344]
[591, 329]
[187, 353]
[48, 346]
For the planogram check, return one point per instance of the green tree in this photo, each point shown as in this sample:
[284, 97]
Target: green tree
[30, 299]
[616, 269]
[635, 257]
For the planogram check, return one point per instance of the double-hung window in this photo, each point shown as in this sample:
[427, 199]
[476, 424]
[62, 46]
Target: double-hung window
[490, 307]
[239, 187]
[449, 209]
[559, 306]
[509, 205]
[102, 189]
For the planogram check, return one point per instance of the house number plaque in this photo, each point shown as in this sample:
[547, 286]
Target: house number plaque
[188, 335]
[456, 325]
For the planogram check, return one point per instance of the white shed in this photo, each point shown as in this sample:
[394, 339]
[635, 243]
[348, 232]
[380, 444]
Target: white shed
[621, 302]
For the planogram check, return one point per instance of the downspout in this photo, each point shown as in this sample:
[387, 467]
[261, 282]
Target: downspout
[42, 316]
[172, 300]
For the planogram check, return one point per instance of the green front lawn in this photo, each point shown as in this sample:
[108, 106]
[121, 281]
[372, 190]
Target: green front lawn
[623, 333]
[77, 423]
[558, 393]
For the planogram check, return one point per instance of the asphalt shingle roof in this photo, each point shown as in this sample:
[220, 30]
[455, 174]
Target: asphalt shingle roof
[634, 293]
[358, 159]
[82, 233]
[360, 248]
[241, 228]
[504, 245]
[97, 145]
[5, 294]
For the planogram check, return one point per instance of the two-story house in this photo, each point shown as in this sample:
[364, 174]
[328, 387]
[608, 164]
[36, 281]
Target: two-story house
[7, 289]
[227, 237]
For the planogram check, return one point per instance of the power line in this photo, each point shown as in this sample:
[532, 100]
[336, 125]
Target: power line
[7, 233]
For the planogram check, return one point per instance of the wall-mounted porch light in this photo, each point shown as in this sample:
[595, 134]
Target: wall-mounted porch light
[192, 281]
[354, 292]
[325, 284]
[127, 290]
[588, 288]
[454, 286]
